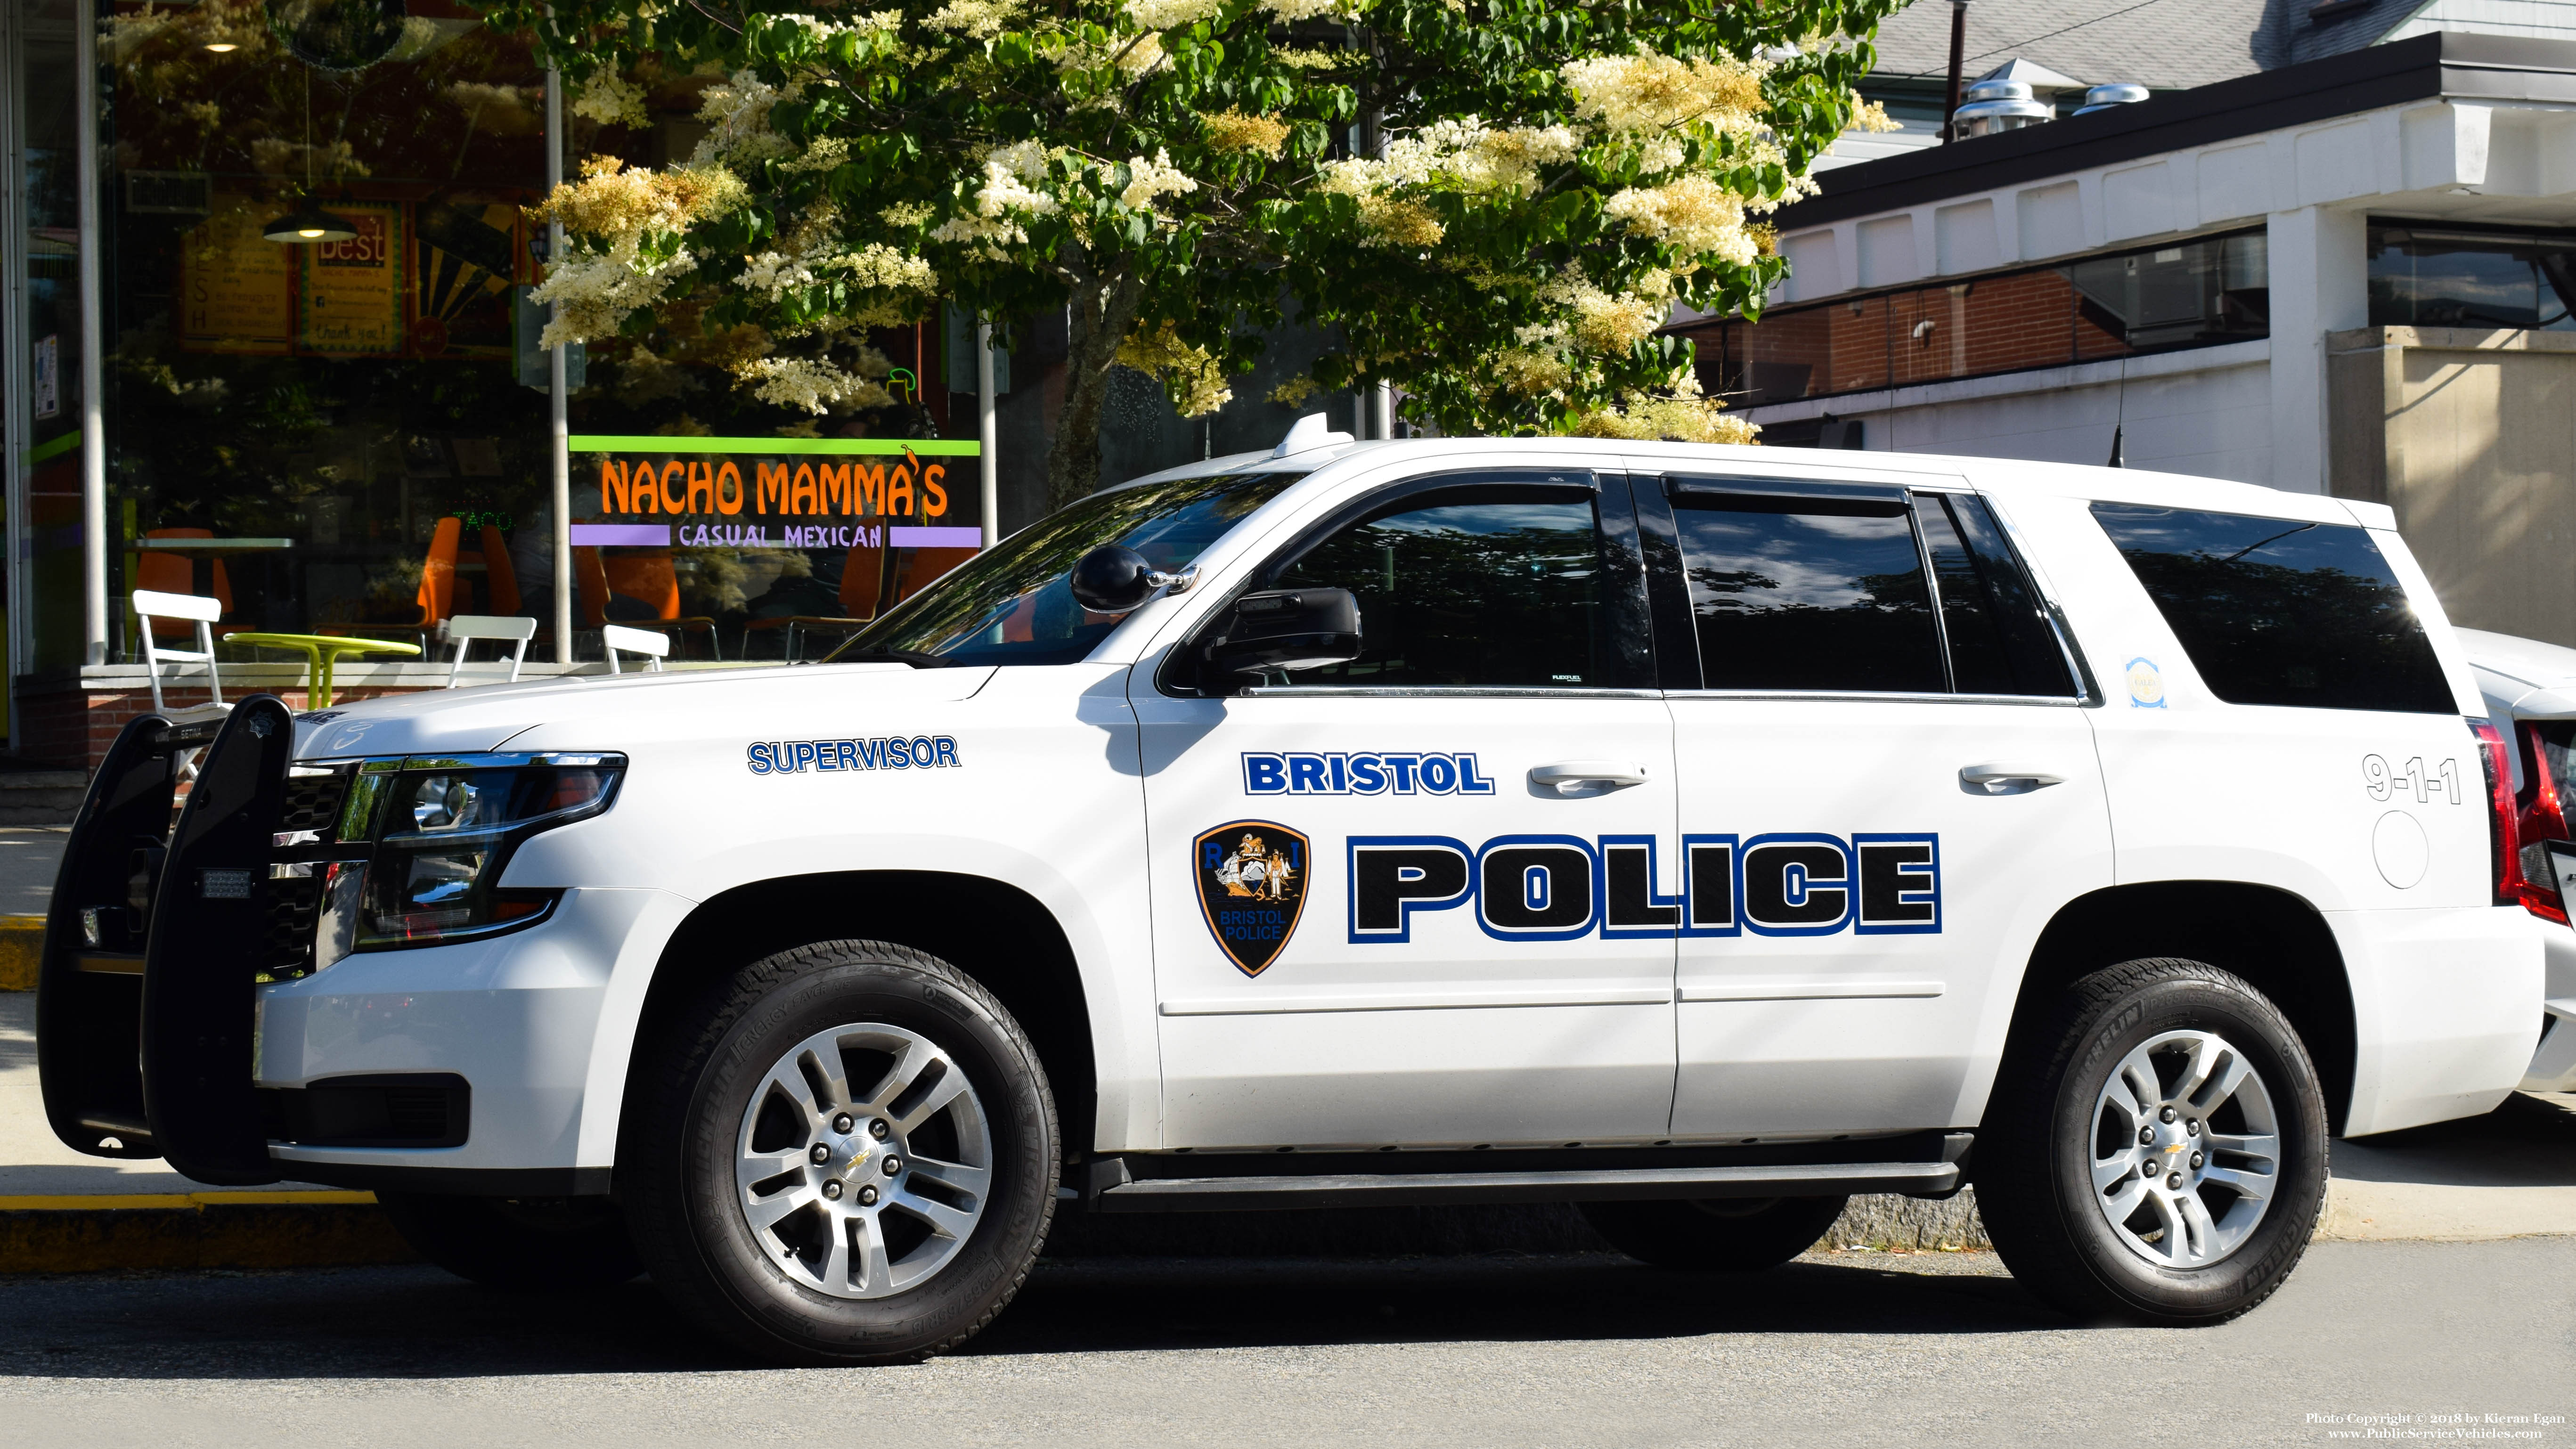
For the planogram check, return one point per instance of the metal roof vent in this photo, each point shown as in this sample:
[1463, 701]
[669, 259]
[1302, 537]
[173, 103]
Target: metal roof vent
[2000, 105]
[2103, 98]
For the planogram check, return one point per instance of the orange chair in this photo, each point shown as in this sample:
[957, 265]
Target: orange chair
[590, 585]
[862, 583]
[921, 565]
[170, 573]
[437, 596]
[647, 575]
[438, 574]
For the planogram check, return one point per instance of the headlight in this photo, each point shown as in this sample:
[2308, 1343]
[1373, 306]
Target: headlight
[439, 834]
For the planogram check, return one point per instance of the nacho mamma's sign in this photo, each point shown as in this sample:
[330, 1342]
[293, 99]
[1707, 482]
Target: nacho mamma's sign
[655, 492]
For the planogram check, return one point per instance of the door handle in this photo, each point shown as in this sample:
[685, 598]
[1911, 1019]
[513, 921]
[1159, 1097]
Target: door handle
[1996, 776]
[1569, 775]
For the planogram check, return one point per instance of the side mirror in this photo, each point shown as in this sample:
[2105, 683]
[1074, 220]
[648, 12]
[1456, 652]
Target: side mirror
[1113, 578]
[1285, 629]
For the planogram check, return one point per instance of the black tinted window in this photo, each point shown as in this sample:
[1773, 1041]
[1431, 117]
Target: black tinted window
[2278, 612]
[2000, 641]
[1807, 600]
[1489, 586]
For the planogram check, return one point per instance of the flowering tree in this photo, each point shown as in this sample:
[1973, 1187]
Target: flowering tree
[1492, 204]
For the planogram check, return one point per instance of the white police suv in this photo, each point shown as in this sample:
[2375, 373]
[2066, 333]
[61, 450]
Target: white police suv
[1700, 835]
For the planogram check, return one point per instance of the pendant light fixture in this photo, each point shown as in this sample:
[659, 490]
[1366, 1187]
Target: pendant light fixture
[309, 223]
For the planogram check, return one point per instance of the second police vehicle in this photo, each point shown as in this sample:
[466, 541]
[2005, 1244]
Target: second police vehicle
[1701, 835]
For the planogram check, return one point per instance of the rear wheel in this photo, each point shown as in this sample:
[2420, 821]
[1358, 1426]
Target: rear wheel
[2156, 1152]
[1715, 1235]
[850, 1159]
[528, 1244]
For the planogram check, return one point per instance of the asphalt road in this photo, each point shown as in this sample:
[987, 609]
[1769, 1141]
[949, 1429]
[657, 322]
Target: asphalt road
[1852, 1349]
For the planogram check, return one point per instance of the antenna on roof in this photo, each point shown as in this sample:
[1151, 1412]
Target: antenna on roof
[1307, 434]
[2115, 447]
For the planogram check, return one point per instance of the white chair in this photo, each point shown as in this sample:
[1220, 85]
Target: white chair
[149, 606]
[463, 629]
[654, 646]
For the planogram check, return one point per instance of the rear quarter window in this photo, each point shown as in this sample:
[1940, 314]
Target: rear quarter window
[2275, 611]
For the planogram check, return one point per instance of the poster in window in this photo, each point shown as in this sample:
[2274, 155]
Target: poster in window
[468, 248]
[236, 287]
[350, 299]
[49, 377]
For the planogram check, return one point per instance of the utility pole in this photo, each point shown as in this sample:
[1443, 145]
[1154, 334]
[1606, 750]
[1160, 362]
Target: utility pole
[1958, 61]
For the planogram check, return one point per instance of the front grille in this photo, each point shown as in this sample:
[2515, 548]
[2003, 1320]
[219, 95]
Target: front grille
[292, 905]
[311, 802]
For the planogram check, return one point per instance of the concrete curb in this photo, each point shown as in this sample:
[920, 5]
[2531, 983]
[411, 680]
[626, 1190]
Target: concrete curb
[92, 1234]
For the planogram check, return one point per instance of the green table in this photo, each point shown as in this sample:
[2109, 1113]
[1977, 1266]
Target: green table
[324, 651]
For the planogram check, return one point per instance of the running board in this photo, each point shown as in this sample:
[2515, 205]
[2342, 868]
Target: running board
[1114, 1189]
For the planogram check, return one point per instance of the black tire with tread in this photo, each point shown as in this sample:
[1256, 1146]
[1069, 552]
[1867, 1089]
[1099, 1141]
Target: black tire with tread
[675, 1154]
[1718, 1235]
[2036, 1200]
[528, 1245]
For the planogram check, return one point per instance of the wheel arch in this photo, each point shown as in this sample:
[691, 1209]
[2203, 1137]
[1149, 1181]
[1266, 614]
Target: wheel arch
[2274, 939]
[993, 931]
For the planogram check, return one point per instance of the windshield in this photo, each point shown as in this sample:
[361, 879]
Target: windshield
[1012, 605]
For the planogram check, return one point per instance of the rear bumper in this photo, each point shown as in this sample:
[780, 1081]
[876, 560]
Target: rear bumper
[2446, 1005]
[519, 1017]
[2553, 1062]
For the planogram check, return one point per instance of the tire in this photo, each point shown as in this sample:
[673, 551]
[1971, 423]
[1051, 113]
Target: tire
[1715, 1235]
[525, 1244]
[940, 1157]
[2170, 1239]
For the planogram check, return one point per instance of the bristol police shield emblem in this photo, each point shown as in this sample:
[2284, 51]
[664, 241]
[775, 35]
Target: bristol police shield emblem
[1251, 878]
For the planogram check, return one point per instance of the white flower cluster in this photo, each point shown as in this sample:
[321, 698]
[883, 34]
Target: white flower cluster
[1006, 196]
[815, 384]
[977, 19]
[1292, 11]
[737, 117]
[1170, 14]
[596, 291]
[612, 101]
[1461, 155]
[1147, 180]
[823, 30]
[1656, 102]
[1691, 212]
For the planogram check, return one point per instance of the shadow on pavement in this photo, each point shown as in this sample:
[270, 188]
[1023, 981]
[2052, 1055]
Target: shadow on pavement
[2530, 1141]
[417, 1323]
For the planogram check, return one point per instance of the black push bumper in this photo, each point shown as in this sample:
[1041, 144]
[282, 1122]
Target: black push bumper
[145, 1007]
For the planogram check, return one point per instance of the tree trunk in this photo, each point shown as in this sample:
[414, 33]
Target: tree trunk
[1104, 308]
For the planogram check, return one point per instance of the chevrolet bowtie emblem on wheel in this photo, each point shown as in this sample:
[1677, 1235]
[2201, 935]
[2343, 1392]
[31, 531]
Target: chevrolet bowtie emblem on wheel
[1251, 876]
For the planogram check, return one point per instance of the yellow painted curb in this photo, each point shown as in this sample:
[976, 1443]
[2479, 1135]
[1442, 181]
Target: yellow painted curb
[127, 1201]
[22, 948]
[99, 1232]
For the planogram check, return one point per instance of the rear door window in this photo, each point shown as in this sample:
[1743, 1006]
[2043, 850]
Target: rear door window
[2275, 611]
[2001, 641]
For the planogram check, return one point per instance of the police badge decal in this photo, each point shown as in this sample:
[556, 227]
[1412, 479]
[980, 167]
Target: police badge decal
[1251, 876]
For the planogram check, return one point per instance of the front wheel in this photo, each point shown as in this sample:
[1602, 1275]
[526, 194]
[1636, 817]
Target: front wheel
[1715, 1235]
[850, 1157]
[2157, 1152]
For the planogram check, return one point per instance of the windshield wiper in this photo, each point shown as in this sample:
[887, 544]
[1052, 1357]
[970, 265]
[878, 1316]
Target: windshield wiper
[913, 657]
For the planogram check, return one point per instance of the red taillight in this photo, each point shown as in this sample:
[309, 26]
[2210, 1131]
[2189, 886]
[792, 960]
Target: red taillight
[2541, 817]
[2503, 830]
[2504, 848]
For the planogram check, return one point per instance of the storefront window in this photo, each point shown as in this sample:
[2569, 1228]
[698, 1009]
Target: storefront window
[2443, 277]
[349, 432]
[43, 414]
